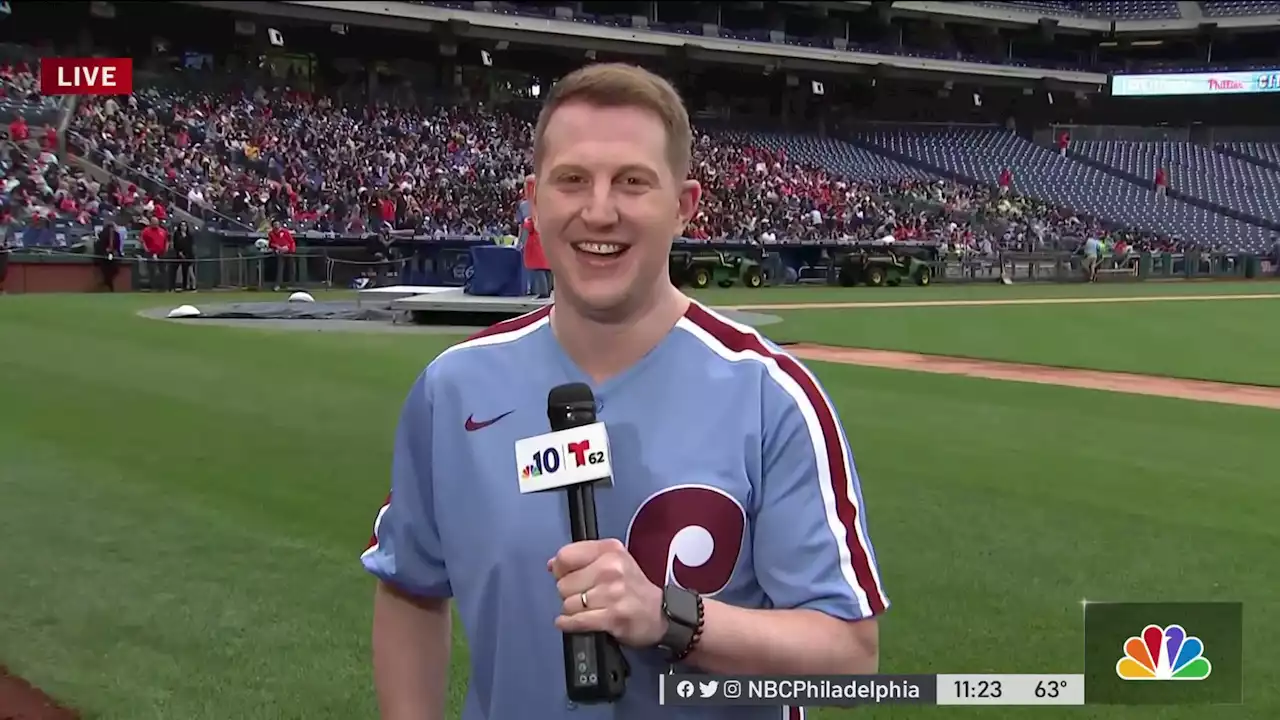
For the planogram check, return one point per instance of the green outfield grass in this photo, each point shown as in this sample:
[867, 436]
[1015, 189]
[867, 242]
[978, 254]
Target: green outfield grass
[1233, 341]
[980, 291]
[181, 507]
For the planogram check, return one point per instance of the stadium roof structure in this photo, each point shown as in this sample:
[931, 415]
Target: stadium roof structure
[710, 46]
[1080, 17]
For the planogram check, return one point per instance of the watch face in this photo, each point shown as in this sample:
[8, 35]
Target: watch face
[682, 606]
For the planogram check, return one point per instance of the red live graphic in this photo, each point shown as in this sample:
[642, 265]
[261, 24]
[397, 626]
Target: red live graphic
[86, 76]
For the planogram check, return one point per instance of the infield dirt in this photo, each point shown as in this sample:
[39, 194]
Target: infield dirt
[19, 700]
[1201, 390]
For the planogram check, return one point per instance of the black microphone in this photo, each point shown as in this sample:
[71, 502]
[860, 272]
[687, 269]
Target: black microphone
[595, 670]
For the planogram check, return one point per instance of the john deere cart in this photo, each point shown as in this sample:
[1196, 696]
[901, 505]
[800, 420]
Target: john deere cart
[702, 268]
[878, 269]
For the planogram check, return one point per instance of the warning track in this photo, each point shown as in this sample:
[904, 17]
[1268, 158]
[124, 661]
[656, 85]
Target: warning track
[1134, 384]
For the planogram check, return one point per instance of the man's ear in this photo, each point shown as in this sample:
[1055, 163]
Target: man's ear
[690, 197]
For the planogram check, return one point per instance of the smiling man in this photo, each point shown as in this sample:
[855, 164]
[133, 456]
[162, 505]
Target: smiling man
[736, 538]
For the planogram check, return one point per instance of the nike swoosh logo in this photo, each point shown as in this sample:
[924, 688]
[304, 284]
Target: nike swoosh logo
[473, 426]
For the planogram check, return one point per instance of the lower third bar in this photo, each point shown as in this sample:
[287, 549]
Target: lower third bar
[807, 690]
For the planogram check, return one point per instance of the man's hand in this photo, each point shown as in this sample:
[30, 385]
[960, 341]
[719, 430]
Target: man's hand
[619, 599]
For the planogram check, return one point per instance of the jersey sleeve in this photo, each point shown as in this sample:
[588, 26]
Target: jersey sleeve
[811, 545]
[405, 549]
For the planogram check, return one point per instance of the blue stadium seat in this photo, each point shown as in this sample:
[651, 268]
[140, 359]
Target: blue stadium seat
[1196, 170]
[980, 154]
[849, 160]
[1110, 9]
[1265, 151]
[1230, 8]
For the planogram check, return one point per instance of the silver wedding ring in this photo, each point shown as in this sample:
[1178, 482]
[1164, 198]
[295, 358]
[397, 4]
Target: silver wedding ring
[583, 597]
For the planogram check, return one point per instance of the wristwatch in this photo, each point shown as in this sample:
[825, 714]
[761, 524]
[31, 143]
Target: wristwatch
[683, 611]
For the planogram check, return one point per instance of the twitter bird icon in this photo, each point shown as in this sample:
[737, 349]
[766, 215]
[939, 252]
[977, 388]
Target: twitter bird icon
[708, 689]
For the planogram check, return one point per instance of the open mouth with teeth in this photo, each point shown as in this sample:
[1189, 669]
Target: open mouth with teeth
[600, 249]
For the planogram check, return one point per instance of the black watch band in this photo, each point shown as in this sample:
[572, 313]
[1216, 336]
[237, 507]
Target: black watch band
[683, 611]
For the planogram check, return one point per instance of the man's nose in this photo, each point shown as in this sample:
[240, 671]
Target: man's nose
[600, 208]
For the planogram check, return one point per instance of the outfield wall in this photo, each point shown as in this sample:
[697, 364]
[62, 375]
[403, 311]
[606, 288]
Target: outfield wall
[232, 260]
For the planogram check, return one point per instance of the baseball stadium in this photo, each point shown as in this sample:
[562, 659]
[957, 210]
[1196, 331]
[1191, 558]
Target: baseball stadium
[1031, 250]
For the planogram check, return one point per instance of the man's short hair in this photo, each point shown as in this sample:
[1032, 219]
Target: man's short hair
[622, 85]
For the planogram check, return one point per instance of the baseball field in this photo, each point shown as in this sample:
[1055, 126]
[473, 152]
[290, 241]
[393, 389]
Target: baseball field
[182, 506]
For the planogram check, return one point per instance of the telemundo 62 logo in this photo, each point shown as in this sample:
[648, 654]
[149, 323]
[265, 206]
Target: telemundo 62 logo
[1163, 654]
[563, 457]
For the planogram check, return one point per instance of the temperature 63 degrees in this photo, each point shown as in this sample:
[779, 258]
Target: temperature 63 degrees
[1011, 689]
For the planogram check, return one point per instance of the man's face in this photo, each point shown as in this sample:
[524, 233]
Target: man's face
[607, 205]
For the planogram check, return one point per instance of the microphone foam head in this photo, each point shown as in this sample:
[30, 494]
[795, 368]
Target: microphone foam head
[570, 394]
[571, 405]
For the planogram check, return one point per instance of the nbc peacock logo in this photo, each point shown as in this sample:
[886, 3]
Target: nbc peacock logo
[1163, 654]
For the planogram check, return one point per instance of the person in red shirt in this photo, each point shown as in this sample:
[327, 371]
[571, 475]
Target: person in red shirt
[50, 139]
[535, 261]
[284, 247]
[1006, 180]
[155, 241]
[1162, 181]
[18, 130]
[1064, 141]
[387, 210]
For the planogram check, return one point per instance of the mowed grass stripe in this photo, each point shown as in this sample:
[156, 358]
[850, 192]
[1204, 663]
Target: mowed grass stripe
[1227, 342]
[139, 604]
[870, 305]
[797, 294]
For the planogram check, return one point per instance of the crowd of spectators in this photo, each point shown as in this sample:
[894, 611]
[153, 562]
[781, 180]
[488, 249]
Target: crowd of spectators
[242, 161]
[459, 171]
[302, 160]
[755, 193]
[41, 198]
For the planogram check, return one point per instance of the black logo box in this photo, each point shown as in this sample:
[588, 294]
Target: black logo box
[1219, 625]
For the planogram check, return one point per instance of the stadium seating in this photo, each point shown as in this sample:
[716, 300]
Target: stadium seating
[853, 162]
[1111, 9]
[1196, 170]
[1230, 8]
[962, 214]
[458, 172]
[1265, 151]
[981, 154]
[1049, 7]
[752, 35]
[239, 161]
[781, 187]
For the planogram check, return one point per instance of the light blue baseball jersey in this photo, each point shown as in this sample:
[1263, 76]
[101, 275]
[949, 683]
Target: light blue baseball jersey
[731, 476]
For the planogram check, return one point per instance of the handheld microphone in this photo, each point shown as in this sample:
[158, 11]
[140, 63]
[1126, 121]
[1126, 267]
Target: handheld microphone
[595, 669]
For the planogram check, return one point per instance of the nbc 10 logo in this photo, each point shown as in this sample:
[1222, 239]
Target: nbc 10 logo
[551, 460]
[1166, 653]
